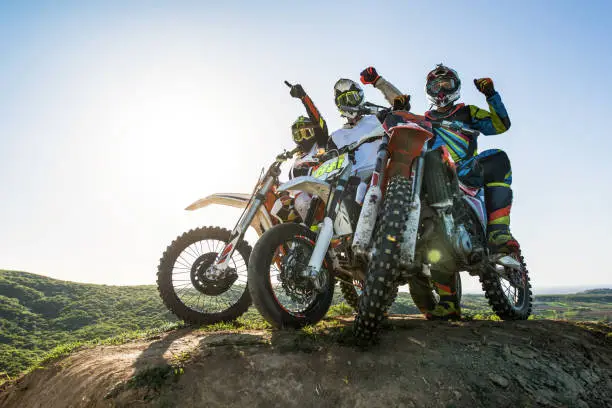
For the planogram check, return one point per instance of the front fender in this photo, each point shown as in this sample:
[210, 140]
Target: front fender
[237, 200]
[308, 184]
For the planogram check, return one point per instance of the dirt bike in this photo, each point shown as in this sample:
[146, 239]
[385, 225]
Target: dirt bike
[420, 221]
[292, 269]
[201, 276]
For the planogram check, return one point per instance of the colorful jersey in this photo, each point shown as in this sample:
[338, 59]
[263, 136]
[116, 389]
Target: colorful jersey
[461, 146]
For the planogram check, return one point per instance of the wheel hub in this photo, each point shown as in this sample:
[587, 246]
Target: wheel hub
[204, 282]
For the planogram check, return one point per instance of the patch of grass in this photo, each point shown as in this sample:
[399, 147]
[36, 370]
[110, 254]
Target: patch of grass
[341, 309]
[155, 377]
[249, 321]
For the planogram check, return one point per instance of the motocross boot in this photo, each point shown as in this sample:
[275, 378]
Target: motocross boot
[448, 308]
[498, 197]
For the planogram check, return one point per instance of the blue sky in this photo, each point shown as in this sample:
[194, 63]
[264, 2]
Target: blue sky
[114, 117]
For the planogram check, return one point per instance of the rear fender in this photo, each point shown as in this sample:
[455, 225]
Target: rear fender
[260, 223]
[237, 200]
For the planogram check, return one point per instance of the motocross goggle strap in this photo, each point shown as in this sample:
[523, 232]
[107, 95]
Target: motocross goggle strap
[301, 133]
[349, 98]
[446, 85]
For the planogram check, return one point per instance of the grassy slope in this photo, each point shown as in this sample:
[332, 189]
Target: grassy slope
[39, 313]
[42, 317]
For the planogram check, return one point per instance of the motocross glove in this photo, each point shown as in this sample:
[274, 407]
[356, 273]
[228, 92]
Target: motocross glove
[369, 76]
[297, 91]
[485, 86]
[401, 102]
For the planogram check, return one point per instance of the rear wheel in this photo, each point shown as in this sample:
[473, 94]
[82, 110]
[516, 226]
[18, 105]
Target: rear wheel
[280, 292]
[383, 273]
[186, 288]
[352, 293]
[508, 290]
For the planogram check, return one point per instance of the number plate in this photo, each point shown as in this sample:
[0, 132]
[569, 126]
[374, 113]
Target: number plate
[330, 167]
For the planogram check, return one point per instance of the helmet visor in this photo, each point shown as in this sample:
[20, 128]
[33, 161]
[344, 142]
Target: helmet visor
[302, 133]
[441, 84]
[349, 98]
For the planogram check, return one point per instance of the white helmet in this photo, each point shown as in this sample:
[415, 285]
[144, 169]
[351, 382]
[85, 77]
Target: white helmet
[442, 86]
[347, 93]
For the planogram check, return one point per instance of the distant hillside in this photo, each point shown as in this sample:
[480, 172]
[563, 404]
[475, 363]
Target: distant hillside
[603, 291]
[38, 313]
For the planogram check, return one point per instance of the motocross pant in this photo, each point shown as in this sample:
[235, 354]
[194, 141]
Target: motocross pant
[491, 169]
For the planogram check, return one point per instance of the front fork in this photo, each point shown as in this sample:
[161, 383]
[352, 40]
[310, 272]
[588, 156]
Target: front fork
[221, 267]
[371, 204]
[326, 233]
[409, 236]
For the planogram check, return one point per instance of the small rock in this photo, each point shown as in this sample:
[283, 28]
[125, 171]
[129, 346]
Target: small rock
[499, 380]
[523, 353]
[589, 377]
[581, 404]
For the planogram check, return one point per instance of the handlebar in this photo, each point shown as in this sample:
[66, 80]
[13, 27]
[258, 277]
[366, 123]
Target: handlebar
[286, 155]
[452, 125]
[288, 84]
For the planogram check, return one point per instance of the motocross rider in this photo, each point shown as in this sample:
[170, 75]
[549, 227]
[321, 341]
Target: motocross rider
[310, 135]
[491, 168]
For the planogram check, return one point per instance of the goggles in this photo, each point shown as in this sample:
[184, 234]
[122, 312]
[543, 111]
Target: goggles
[439, 84]
[303, 133]
[349, 98]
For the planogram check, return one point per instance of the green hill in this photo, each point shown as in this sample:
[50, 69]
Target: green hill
[38, 313]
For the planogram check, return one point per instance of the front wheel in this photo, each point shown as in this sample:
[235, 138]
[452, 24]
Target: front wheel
[508, 290]
[383, 270]
[280, 292]
[185, 286]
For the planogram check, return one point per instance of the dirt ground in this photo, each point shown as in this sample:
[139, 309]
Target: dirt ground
[539, 363]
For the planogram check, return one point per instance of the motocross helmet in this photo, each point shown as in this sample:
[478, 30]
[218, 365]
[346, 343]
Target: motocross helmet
[347, 93]
[303, 133]
[442, 86]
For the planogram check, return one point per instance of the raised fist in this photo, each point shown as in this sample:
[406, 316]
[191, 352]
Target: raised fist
[485, 85]
[369, 76]
[401, 102]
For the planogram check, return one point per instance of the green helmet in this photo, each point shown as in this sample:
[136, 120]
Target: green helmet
[303, 132]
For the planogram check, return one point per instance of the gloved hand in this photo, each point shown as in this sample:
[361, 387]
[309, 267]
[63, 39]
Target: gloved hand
[401, 102]
[297, 91]
[369, 76]
[485, 85]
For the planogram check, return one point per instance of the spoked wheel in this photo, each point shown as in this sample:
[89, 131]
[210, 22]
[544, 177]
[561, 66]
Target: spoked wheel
[352, 292]
[280, 289]
[189, 289]
[508, 290]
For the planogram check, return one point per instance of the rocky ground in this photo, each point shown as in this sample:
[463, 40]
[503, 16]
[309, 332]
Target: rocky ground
[539, 363]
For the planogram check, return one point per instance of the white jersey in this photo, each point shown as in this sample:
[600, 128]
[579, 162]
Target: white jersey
[365, 156]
